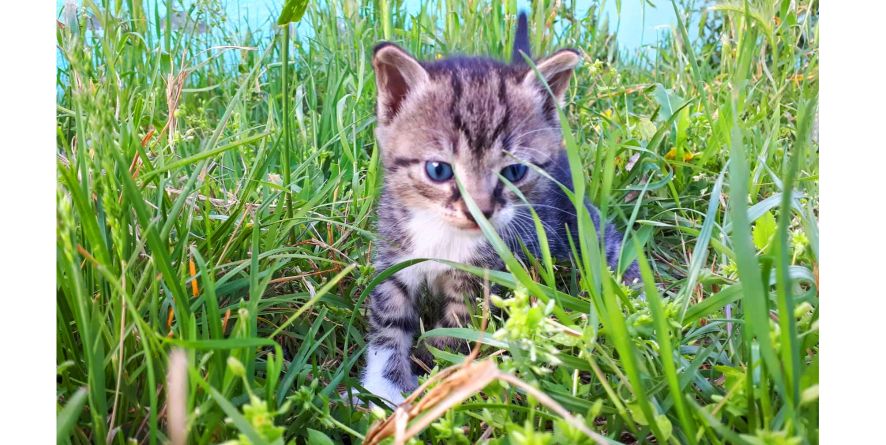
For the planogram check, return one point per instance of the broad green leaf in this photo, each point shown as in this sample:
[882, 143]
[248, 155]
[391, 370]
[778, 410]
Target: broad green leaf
[764, 230]
[664, 425]
[318, 438]
[293, 10]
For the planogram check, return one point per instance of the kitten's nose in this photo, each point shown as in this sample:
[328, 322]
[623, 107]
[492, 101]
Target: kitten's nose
[487, 212]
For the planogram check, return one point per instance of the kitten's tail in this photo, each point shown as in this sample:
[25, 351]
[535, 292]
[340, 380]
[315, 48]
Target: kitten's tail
[521, 41]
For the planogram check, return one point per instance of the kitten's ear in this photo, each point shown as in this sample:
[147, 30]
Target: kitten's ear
[396, 74]
[556, 70]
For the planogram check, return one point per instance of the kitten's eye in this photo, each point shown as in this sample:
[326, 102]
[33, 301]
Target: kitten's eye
[438, 171]
[514, 172]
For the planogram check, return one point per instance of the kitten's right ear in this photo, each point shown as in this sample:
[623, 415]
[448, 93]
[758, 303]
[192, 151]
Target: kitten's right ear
[556, 70]
[396, 74]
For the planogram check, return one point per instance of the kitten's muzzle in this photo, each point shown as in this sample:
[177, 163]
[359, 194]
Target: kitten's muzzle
[487, 212]
[482, 193]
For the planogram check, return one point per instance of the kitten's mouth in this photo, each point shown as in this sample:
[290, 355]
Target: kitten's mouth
[472, 227]
[468, 226]
[465, 225]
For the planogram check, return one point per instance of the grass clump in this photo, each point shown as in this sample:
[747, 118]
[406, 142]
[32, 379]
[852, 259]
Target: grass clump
[216, 194]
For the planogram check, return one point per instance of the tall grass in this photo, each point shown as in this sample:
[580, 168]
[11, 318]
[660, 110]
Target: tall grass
[216, 194]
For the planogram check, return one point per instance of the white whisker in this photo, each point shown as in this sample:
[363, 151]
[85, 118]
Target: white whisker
[538, 206]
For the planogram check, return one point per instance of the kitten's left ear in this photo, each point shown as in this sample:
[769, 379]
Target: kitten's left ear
[396, 74]
[556, 70]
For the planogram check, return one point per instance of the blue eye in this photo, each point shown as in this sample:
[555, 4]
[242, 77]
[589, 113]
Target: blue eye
[514, 172]
[438, 171]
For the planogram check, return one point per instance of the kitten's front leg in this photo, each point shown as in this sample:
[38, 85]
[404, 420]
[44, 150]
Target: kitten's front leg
[454, 287]
[393, 321]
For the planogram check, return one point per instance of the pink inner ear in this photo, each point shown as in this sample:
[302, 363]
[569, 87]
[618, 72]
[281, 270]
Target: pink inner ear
[393, 91]
[556, 69]
[559, 82]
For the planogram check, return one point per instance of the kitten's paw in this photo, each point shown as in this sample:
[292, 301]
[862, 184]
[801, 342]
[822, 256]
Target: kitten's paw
[388, 375]
[384, 389]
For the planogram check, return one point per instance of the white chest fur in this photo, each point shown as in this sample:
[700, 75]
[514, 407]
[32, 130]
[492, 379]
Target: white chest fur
[433, 238]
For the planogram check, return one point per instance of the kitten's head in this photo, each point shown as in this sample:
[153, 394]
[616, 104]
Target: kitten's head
[474, 117]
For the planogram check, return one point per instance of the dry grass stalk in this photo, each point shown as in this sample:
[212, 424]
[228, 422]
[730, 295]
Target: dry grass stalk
[176, 397]
[222, 204]
[120, 353]
[174, 85]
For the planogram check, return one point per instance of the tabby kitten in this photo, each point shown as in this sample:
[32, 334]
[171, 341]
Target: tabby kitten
[480, 118]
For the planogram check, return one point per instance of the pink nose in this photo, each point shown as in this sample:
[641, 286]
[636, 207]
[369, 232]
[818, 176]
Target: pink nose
[487, 210]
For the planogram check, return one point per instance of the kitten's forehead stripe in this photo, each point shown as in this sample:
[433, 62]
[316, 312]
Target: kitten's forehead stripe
[478, 100]
[453, 109]
[505, 115]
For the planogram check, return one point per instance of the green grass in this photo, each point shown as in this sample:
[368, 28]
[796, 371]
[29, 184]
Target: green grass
[245, 236]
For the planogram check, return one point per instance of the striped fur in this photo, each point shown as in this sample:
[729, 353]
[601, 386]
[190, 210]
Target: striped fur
[479, 115]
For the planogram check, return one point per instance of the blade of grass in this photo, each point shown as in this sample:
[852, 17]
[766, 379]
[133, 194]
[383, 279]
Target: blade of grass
[67, 416]
[663, 335]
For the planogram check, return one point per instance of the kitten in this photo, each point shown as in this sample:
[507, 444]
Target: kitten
[480, 118]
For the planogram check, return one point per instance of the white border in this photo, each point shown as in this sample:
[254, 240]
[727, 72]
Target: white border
[852, 154]
[853, 120]
[27, 227]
